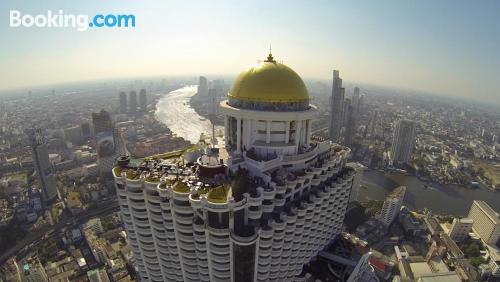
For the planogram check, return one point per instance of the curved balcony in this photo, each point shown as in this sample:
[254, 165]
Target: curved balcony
[269, 194]
[218, 240]
[255, 214]
[218, 250]
[218, 231]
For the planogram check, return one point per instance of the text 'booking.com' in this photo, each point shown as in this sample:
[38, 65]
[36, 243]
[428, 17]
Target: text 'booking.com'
[79, 22]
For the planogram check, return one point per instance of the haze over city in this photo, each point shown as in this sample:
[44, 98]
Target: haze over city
[445, 47]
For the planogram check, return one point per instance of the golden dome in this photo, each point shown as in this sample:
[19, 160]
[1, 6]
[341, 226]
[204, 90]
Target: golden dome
[269, 82]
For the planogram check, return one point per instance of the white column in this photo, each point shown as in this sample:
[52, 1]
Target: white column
[268, 132]
[309, 131]
[248, 133]
[304, 133]
[238, 135]
[287, 131]
[226, 129]
[298, 124]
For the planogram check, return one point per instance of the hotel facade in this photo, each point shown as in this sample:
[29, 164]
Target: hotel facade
[260, 213]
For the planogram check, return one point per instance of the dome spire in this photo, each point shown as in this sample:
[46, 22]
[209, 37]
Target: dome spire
[270, 58]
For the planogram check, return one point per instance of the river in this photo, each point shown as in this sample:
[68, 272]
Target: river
[173, 110]
[441, 199]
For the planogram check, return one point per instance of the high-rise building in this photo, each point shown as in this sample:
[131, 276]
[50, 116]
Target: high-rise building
[104, 135]
[43, 167]
[345, 110]
[392, 205]
[213, 111]
[73, 134]
[123, 102]
[356, 100]
[336, 107]
[486, 222]
[259, 215]
[203, 87]
[460, 229]
[219, 87]
[86, 130]
[350, 127]
[364, 271]
[143, 100]
[403, 141]
[132, 103]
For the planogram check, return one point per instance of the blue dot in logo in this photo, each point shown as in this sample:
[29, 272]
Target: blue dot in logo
[91, 24]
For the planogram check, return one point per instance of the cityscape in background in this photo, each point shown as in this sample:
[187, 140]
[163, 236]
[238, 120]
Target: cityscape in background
[263, 174]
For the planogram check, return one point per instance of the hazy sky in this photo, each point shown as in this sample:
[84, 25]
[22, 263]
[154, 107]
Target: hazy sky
[449, 47]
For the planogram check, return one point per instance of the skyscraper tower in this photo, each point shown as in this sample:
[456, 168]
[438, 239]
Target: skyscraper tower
[350, 128]
[345, 111]
[356, 100]
[213, 111]
[203, 87]
[143, 100]
[403, 141]
[123, 102]
[336, 110]
[132, 101]
[104, 136]
[43, 167]
[261, 215]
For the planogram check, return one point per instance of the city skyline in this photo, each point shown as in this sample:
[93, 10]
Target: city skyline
[391, 44]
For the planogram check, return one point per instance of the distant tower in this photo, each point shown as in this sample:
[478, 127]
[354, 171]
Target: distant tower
[213, 112]
[350, 128]
[337, 103]
[345, 111]
[123, 102]
[403, 141]
[132, 101]
[143, 100]
[202, 87]
[356, 100]
[43, 166]
[104, 135]
[86, 132]
[218, 85]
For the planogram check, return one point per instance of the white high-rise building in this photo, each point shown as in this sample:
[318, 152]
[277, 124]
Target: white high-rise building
[337, 105]
[460, 229]
[486, 222]
[259, 215]
[392, 205]
[403, 141]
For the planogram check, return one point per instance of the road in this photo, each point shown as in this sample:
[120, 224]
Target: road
[36, 237]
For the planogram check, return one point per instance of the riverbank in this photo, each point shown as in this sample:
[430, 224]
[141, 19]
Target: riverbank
[441, 199]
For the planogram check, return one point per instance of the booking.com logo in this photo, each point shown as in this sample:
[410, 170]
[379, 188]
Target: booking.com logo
[62, 20]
